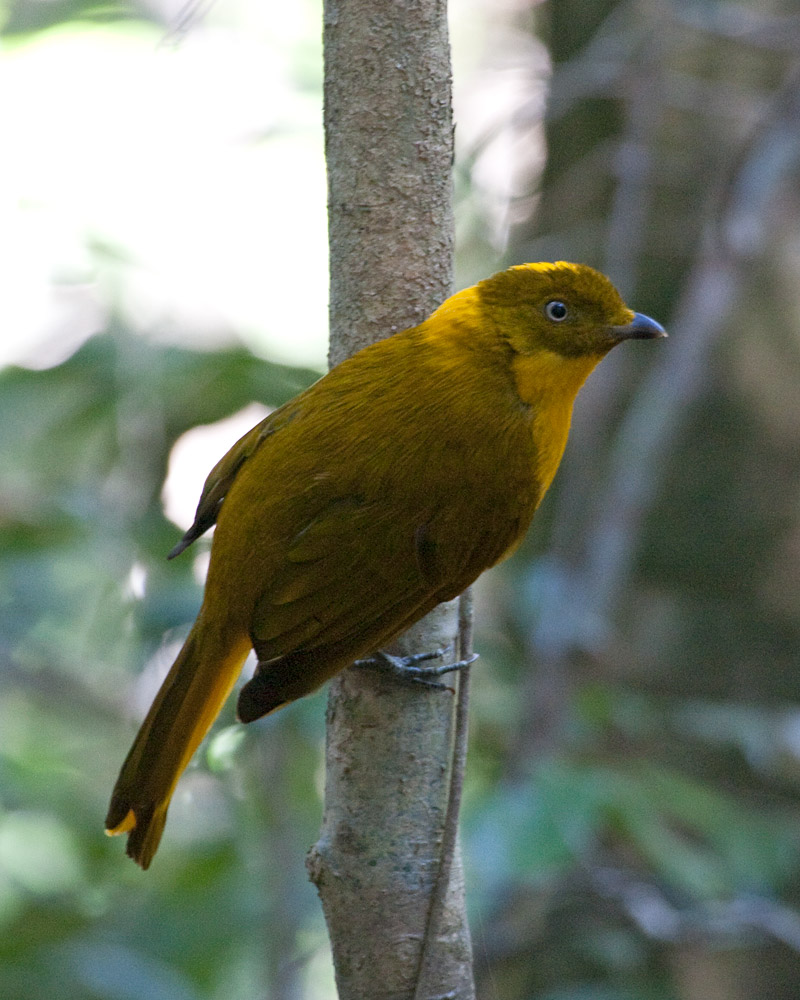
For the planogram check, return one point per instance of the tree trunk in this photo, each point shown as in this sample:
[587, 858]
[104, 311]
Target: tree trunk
[389, 150]
[388, 130]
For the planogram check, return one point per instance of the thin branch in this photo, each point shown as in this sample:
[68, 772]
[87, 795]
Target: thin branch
[458, 767]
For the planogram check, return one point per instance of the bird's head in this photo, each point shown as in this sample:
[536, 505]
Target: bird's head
[569, 310]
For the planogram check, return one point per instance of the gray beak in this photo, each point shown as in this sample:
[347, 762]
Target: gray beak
[641, 327]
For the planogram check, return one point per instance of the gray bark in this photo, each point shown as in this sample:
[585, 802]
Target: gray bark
[388, 128]
[389, 150]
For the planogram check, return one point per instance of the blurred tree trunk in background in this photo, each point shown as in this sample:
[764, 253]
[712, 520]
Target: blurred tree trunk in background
[651, 623]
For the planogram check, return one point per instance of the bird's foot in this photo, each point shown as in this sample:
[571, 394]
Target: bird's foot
[407, 668]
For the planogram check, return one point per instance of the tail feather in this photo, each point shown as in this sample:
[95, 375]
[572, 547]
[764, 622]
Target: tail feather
[189, 700]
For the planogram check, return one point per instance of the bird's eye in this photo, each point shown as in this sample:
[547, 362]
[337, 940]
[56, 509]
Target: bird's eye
[556, 311]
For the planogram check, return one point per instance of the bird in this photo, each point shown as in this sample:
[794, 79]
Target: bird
[385, 488]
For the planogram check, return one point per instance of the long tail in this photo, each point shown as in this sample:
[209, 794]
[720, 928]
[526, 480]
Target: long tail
[189, 700]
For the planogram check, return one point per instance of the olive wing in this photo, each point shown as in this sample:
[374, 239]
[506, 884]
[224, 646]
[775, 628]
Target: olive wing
[222, 476]
[350, 571]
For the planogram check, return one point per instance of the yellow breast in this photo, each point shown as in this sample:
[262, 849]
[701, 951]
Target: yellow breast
[549, 383]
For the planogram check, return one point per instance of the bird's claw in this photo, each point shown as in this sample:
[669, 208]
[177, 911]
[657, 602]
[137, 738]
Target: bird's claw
[405, 667]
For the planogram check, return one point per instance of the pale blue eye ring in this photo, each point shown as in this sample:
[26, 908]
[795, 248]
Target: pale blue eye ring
[556, 311]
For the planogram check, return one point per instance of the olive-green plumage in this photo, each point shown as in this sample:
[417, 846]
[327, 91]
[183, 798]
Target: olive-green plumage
[386, 487]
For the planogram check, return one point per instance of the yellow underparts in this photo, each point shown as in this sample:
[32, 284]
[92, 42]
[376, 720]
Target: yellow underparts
[549, 383]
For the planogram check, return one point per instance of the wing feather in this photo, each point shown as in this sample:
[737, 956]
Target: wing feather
[222, 476]
[342, 573]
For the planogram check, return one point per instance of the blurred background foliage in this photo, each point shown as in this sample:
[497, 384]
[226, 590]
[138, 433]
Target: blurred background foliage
[632, 822]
